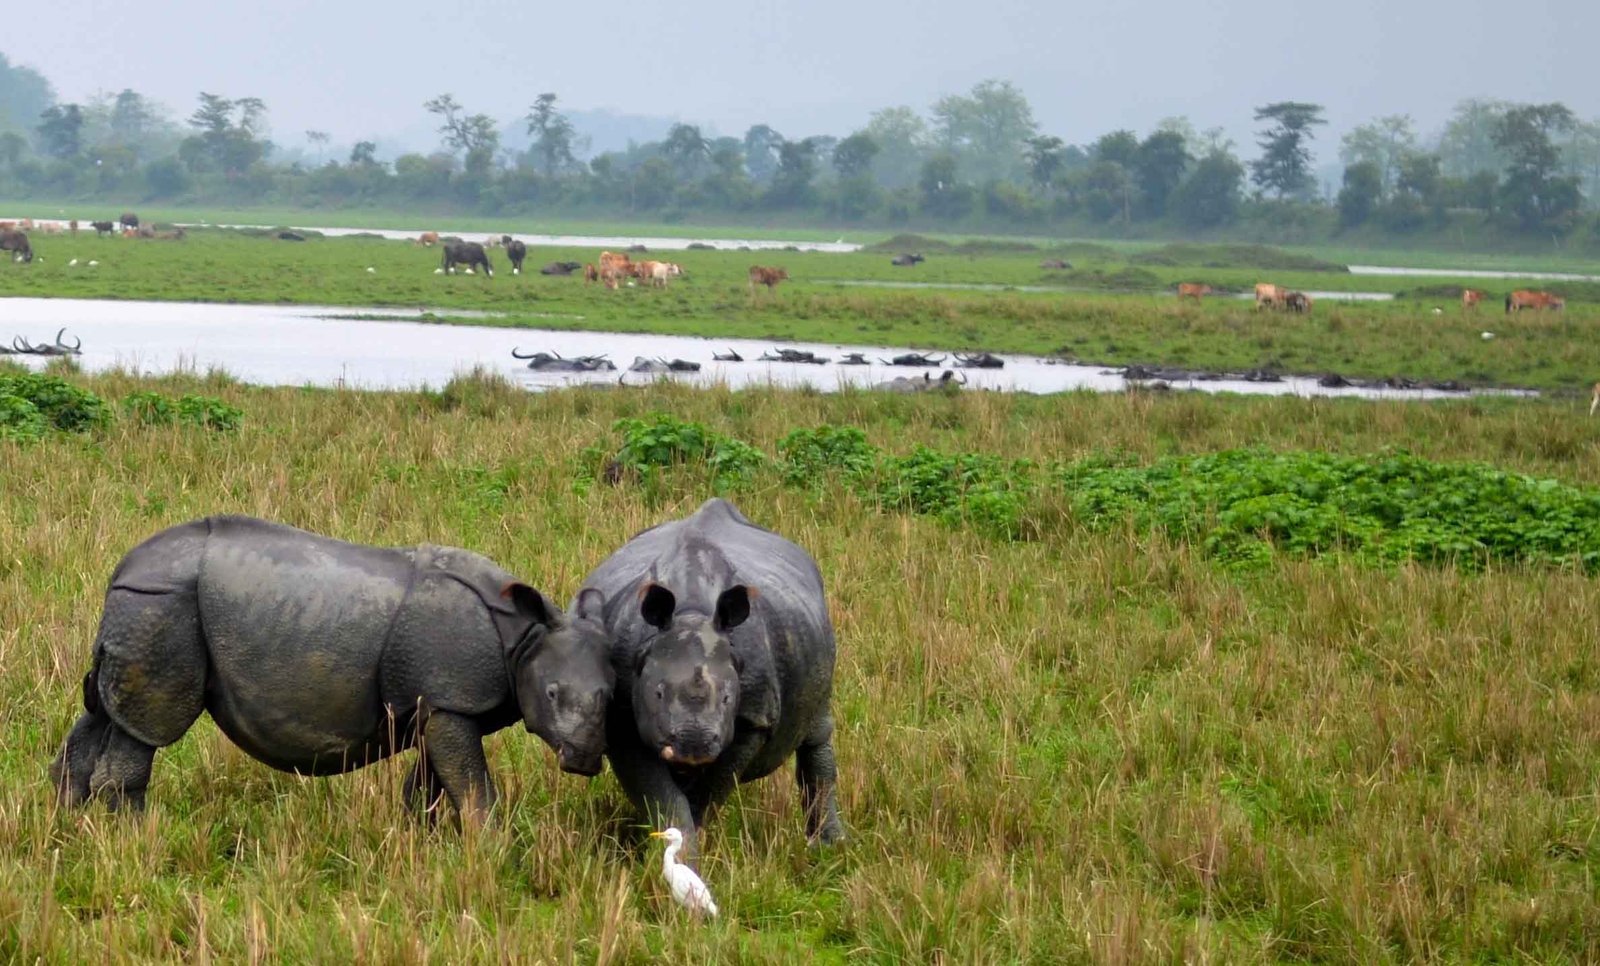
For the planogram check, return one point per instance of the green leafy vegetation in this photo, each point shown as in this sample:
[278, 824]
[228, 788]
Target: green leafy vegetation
[1239, 507]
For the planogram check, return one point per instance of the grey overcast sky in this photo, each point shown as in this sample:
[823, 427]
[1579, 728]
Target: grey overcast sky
[362, 70]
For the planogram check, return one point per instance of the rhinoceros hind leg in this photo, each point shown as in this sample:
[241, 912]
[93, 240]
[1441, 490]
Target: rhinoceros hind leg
[79, 754]
[122, 773]
[818, 773]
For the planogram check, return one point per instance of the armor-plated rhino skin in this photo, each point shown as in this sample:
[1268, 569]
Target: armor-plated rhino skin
[724, 654]
[319, 656]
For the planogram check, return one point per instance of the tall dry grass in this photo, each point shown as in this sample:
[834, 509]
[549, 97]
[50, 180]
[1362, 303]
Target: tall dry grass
[1097, 747]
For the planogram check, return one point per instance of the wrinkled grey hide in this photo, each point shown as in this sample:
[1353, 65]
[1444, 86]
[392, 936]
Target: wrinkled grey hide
[319, 656]
[724, 654]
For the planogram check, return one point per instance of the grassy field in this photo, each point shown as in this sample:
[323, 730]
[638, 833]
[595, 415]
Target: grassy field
[1091, 745]
[1110, 308]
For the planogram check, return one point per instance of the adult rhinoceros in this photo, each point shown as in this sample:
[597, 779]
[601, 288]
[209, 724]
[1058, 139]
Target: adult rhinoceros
[724, 654]
[318, 656]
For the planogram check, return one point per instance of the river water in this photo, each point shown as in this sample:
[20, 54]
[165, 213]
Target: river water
[297, 345]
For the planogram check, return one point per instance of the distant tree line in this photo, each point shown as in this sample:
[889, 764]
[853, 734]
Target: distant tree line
[977, 159]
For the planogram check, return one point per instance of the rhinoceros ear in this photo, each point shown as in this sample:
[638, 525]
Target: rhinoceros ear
[656, 606]
[529, 603]
[591, 604]
[733, 607]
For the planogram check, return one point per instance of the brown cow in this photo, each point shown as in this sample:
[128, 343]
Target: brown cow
[590, 274]
[770, 277]
[1193, 290]
[428, 239]
[1269, 295]
[1525, 299]
[1470, 297]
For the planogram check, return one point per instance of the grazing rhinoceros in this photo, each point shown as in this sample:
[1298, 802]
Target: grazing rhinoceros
[724, 656]
[318, 656]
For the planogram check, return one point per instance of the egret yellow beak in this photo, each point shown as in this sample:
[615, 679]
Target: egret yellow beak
[658, 835]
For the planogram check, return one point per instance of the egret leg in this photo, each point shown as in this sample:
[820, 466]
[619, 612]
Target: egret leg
[818, 774]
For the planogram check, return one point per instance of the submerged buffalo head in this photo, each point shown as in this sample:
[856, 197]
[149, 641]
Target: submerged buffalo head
[686, 687]
[561, 671]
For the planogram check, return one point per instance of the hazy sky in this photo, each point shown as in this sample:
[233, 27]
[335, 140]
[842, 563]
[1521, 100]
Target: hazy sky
[362, 70]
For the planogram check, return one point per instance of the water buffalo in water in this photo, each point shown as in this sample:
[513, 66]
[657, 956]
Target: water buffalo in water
[565, 268]
[641, 364]
[553, 362]
[516, 251]
[21, 346]
[16, 243]
[946, 380]
[724, 654]
[906, 261]
[318, 657]
[914, 359]
[854, 359]
[794, 355]
[983, 360]
[470, 254]
[729, 356]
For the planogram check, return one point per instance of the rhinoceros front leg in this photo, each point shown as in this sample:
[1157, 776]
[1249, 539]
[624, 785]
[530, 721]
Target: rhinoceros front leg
[452, 753]
[716, 783]
[650, 786]
[818, 774]
[422, 791]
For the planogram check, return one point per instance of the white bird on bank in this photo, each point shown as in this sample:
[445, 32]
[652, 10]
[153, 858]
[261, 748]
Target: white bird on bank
[687, 888]
[371, 270]
[93, 263]
[71, 263]
[1487, 336]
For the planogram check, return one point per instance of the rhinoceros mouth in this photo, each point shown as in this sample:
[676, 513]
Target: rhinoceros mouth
[574, 762]
[676, 757]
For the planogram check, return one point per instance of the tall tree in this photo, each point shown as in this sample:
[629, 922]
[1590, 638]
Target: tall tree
[1467, 145]
[1158, 168]
[319, 140]
[1046, 156]
[797, 166]
[1534, 190]
[761, 152]
[364, 154]
[1285, 163]
[1358, 197]
[60, 131]
[1383, 142]
[222, 142]
[553, 135]
[902, 138]
[687, 150]
[24, 95]
[1209, 196]
[132, 118]
[853, 156]
[987, 130]
[474, 135]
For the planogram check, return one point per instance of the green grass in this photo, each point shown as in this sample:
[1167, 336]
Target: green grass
[1092, 744]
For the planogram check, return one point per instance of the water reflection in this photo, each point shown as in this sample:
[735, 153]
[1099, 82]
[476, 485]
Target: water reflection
[323, 346]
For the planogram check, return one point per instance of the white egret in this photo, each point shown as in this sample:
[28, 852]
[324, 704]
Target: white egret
[687, 888]
[371, 270]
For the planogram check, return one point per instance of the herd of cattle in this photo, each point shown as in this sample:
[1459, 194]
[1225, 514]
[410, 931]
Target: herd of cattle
[614, 269]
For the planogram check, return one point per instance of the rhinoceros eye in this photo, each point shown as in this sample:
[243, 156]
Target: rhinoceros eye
[552, 691]
[661, 692]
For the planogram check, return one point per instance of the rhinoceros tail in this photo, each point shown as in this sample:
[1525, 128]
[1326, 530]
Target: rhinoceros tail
[91, 689]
